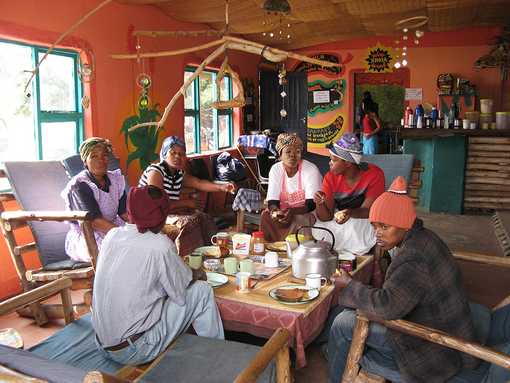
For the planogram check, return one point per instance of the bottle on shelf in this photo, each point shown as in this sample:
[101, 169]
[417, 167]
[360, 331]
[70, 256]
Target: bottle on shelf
[434, 116]
[408, 117]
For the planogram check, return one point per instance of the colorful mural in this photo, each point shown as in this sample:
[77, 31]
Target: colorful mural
[326, 93]
[379, 59]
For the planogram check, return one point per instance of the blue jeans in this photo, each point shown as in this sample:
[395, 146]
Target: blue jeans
[200, 310]
[378, 358]
[370, 144]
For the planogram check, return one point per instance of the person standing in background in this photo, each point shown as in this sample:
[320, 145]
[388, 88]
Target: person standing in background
[371, 126]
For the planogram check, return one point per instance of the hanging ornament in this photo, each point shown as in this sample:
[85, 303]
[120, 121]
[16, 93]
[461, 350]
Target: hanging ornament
[283, 94]
[144, 81]
[283, 113]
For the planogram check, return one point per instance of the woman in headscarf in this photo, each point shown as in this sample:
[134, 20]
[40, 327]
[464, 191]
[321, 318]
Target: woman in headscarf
[292, 185]
[349, 189]
[195, 226]
[97, 190]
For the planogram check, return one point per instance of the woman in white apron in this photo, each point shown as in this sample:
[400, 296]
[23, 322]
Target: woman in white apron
[292, 185]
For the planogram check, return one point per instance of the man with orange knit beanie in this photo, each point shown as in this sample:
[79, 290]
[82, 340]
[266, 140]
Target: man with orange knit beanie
[422, 285]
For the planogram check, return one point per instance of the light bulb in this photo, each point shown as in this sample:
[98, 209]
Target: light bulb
[397, 64]
[404, 62]
[419, 33]
[404, 37]
[288, 36]
[416, 41]
[404, 53]
[263, 33]
[271, 34]
[404, 48]
[405, 30]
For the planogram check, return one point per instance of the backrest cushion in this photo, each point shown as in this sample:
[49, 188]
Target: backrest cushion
[37, 186]
[198, 359]
[75, 345]
[393, 165]
[39, 367]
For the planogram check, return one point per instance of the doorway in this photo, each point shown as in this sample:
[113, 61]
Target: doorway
[388, 91]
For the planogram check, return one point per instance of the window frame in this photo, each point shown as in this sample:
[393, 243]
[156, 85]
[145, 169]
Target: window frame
[52, 116]
[195, 112]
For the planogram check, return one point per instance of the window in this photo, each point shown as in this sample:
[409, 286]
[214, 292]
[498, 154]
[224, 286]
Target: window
[47, 124]
[206, 128]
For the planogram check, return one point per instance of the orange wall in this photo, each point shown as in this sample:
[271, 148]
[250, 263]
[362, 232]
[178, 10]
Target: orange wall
[440, 52]
[113, 92]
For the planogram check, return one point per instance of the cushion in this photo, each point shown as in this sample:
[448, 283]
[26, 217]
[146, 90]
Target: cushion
[393, 165]
[39, 367]
[68, 264]
[75, 345]
[481, 317]
[49, 236]
[199, 359]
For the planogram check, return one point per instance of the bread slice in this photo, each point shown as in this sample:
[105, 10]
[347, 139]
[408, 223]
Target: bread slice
[291, 295]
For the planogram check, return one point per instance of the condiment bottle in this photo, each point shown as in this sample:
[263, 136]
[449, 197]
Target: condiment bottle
[258, 243]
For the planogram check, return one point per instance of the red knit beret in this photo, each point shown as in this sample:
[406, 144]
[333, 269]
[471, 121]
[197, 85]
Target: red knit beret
[394, 207]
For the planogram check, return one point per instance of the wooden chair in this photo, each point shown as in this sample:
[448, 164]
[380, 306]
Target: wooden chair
[72, 351]
[36, 189]
[82, 277]
[354, 373]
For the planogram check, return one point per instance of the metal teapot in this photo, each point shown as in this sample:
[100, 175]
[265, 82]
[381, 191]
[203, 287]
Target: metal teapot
[313, 256]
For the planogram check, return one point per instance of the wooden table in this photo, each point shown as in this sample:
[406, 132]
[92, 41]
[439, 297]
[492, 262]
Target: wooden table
[258, 314]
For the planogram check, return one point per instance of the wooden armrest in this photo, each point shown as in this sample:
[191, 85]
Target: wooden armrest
[101, 377]
[275, 346]
[4, 197]
[35, 295]
[21, 215]
[444, 339]
[481, 258]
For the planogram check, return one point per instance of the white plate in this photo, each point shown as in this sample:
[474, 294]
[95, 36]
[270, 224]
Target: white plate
[208, 251]
[312, 294]
[216, 279]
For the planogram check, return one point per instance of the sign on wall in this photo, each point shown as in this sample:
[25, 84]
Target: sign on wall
[414, 94]
[379, 59]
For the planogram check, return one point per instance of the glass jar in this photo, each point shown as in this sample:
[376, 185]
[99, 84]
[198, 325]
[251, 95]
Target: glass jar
[258, 243]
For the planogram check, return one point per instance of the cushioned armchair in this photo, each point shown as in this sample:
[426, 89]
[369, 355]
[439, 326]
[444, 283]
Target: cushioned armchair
[36, 189]
[492, 328]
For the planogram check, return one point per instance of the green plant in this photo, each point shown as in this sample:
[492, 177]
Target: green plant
[144, 139]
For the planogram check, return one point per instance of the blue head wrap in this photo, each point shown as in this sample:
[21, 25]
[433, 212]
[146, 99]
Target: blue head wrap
[167, 145]
[348, 148]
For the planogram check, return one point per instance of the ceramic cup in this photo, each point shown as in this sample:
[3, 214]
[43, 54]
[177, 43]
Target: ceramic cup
[195, 261]
[220, 239]
[271, 259]
[315, 281]
[230, 265]
[243, 282]
[246, 265]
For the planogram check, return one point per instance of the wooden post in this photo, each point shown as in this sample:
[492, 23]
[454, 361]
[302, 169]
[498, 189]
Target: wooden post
[67, 305]
[90, 240]
[283, 365]
[356, 351]
[240, 221]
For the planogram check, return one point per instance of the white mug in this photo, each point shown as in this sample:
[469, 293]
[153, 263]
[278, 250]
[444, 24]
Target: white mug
[271, 259]
[315, 281]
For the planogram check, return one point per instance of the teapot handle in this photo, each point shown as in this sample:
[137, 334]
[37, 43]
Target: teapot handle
[316, 227]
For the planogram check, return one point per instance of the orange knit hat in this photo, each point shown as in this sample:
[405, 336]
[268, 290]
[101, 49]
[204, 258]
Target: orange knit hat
[394, 207]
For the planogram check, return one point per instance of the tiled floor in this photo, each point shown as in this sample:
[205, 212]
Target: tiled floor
[468, 233]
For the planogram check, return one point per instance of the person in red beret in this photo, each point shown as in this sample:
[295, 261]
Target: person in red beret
[422, 284]
[144, 294]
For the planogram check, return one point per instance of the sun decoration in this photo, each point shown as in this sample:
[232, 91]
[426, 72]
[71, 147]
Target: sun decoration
[379, 59]
[407, 26]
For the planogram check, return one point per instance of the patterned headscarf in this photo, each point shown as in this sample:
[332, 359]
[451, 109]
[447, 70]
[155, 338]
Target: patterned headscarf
[287, 139]
[347, 148]
[167, 145]
[89, 144]
[147, 207]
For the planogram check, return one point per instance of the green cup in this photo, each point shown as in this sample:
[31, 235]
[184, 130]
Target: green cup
[195, 261]
[230, 265]
[246, 265]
